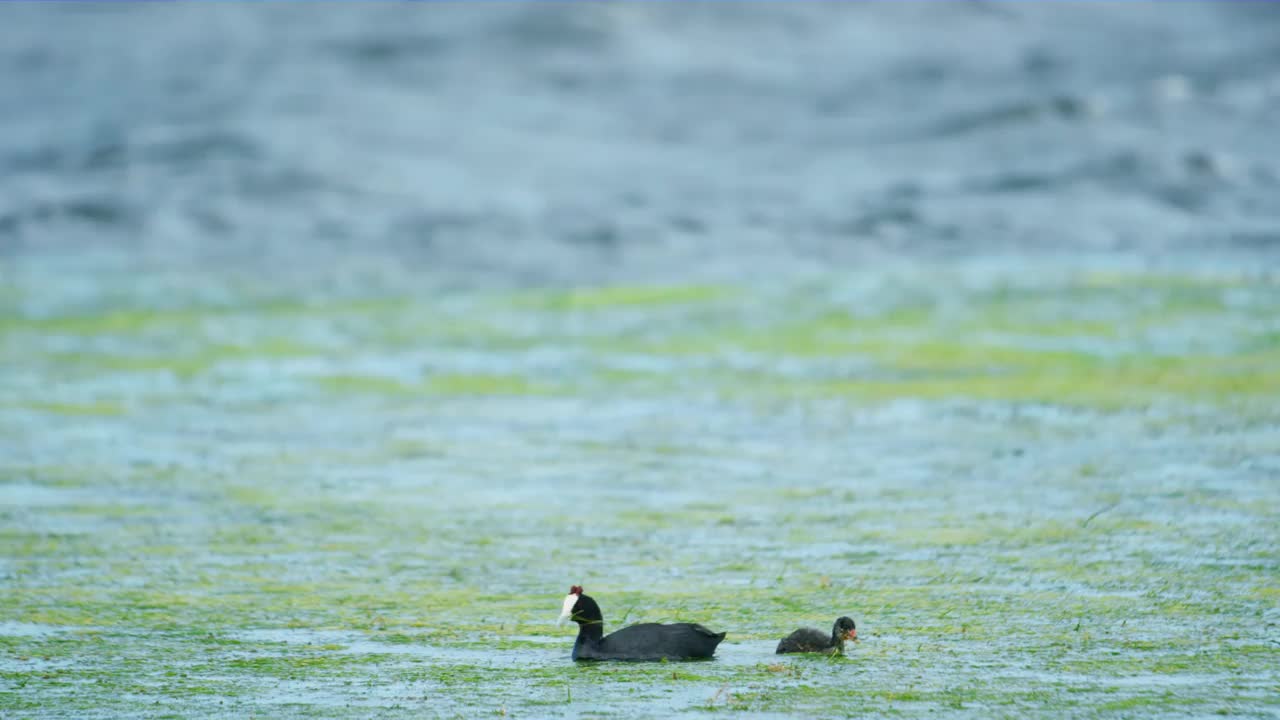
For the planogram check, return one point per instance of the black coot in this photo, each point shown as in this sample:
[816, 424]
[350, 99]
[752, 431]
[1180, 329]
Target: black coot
[808, 640]
[646, 641]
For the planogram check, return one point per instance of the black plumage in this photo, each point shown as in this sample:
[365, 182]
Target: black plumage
[642, 642]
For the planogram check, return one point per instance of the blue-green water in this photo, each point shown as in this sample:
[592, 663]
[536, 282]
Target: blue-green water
[337, 343]
[280, 505]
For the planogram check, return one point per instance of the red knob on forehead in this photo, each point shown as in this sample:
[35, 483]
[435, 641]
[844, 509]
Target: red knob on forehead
[575, 590]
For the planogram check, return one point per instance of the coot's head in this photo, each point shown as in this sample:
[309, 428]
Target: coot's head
[579, 608]
[845, 629]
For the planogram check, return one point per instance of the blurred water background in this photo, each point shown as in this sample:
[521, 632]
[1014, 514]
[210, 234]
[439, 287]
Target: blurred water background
[528, 142]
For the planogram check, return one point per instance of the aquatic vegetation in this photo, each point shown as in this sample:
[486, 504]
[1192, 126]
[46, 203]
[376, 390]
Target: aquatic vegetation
[1036, 495]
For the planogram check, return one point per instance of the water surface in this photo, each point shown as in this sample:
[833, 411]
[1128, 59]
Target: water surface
[336, 345]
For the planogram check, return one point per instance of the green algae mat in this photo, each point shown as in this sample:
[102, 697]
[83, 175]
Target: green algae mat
[1041, 493]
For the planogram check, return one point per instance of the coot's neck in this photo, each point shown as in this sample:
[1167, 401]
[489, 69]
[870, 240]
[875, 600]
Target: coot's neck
[590, 621]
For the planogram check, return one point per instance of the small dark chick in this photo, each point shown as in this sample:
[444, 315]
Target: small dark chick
[809, 640]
